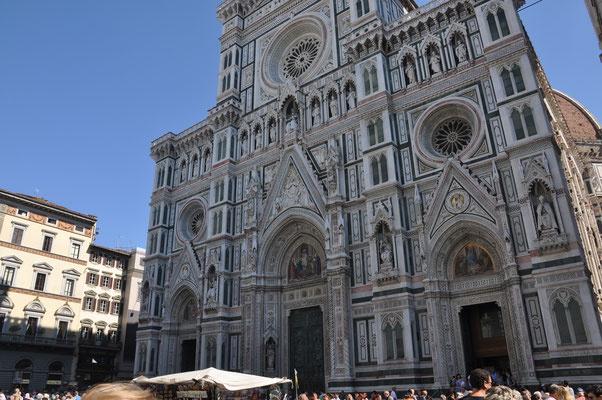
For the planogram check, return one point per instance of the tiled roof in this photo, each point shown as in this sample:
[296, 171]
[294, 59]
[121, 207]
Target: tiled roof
[43, 202]
[582, 124]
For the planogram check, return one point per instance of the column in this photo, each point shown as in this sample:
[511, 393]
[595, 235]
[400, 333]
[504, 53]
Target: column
[408, 337]
[219, 354]
[203, 353]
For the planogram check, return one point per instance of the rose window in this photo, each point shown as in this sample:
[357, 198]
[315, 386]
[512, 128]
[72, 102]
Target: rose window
[196, 222]
[300, 57]
[452, 136]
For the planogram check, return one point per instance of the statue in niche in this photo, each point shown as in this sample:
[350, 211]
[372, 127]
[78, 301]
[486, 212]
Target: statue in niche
[291, 126]
[472, 260]
[332, 166]
[410, 71]
[435, 61]
[195, 166]
[386, 251]
[461, 51]
[545, 216]
[270, 354]
[212, 290]
[305, 263]
[351, 99]
[183, 172]
[272, 131]
[315, 113]
[243, 144]
[334, 106]
[258, 139]
[251, 192]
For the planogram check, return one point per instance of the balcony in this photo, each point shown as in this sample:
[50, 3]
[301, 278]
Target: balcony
[105, 343]
[36, 340]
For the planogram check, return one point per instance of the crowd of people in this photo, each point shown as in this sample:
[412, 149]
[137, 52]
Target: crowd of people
[49, 395]
[480, 385]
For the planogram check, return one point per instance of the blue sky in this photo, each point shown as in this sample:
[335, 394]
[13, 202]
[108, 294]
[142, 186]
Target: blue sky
[85, 86]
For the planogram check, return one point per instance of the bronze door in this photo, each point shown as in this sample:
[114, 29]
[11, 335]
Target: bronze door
[306, 351]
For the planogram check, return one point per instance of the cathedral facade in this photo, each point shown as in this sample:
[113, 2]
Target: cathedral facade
[377, 199]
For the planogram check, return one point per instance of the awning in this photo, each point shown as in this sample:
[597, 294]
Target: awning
[232, 381]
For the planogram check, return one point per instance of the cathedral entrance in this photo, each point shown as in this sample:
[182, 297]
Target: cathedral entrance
[188, 355]
[306, 350]
[484, 337]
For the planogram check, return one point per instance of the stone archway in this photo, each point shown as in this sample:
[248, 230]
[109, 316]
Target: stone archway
[181, 330]
[469, 272]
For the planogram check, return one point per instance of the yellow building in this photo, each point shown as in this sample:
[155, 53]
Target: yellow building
[43, 253]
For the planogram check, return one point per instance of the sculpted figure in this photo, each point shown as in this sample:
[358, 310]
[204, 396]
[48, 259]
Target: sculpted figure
[258, 139]
[272, 132]
[351, 101]
[243, 145]
[316, 114]
[386, 251]
[334, 107]
[292, 126]
[211, 291]
[461, 52]
[435, 62]
[545, 216]
[410, 71]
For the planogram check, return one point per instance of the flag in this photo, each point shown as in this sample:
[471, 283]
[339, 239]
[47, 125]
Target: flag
[296, 379]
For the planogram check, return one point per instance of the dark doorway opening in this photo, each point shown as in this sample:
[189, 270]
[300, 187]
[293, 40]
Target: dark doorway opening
[306, 351]
[188, 355]
[484, 337]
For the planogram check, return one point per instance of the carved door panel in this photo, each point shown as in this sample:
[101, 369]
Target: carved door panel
[306, 352]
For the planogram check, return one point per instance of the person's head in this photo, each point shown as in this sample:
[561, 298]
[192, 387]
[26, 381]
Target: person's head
[458, 376]
[118, 391]
[594, 392]
[560, 392]
[425, 393]
[303, 396]
[443, 397]
[536, 396]
[553, 389]
[501, 393]
[480, 379]
[386, 393]
[526, 395]
[565, 383]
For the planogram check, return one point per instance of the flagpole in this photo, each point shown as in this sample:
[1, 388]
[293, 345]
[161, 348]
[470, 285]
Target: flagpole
[296, 385]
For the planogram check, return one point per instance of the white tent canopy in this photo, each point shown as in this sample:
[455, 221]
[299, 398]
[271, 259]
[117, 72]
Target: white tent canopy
[232, 381]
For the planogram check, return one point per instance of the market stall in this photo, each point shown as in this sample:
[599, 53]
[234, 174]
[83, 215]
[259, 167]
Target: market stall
[211, 384]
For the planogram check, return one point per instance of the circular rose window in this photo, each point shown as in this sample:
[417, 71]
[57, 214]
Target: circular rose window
[191, 221]
[196, 222]
[300, 57]
[452, 136]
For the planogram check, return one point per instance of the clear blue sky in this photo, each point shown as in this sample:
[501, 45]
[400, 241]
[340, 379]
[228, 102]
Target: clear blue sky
[85, 86]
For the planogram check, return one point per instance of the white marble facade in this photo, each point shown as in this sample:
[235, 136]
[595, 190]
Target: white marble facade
[388, 164]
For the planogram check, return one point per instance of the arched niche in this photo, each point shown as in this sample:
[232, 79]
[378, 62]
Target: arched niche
[475, 248]
[296, 245]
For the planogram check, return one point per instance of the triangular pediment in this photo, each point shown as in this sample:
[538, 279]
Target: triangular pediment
[187, 268]
[12, 260]
[294, 187]
[459, 196]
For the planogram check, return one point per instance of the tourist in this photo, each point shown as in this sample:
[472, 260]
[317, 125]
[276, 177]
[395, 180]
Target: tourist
[480, 380]
[526, 395]
[570, 389]
[560, 393]
[118, 391]
[580, 394]
[388, 395]
[459, 383]
[393, 394]
[594, 392]
[502, 393]
[536, 396]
